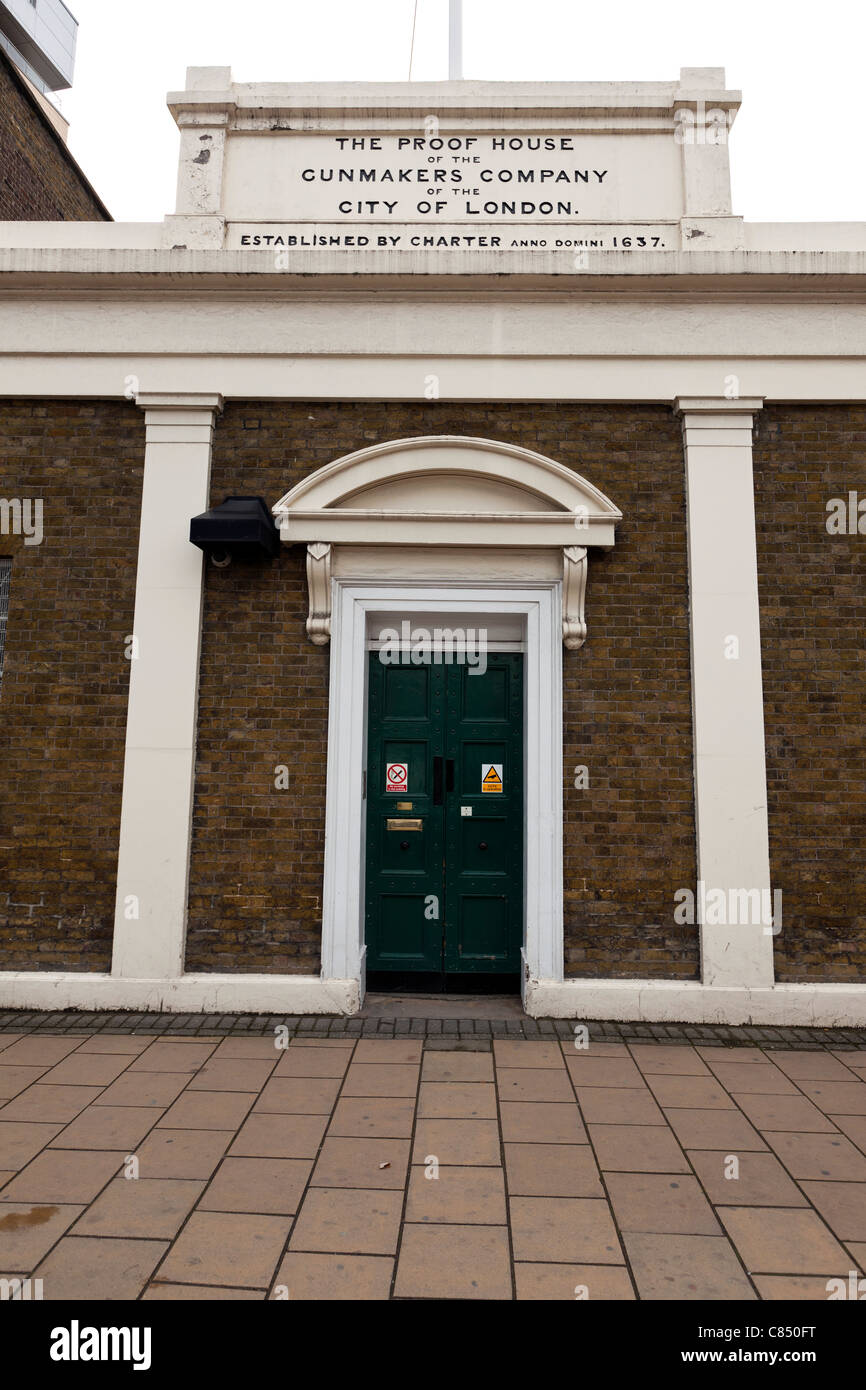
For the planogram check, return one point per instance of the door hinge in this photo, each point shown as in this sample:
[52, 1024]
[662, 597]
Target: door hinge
[364, 785]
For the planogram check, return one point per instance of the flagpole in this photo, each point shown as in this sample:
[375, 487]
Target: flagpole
[455, 40]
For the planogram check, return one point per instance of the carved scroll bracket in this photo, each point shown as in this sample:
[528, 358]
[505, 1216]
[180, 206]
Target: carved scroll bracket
[319, 586]
[574, 571]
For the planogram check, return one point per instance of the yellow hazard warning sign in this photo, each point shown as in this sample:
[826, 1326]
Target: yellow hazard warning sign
[491, 777]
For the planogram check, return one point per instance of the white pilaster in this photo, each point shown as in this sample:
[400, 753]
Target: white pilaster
[727, 691]
[156, 814]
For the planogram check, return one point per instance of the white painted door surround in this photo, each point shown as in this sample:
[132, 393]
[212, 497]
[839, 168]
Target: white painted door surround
[458, 603]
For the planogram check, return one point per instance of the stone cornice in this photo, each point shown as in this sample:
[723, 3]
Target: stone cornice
[664, 274]
[569, 105]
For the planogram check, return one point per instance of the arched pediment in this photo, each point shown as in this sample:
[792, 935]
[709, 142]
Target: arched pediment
[446, 489]
[449, 491]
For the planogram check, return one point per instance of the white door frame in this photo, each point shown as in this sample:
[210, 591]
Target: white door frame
[540, 605]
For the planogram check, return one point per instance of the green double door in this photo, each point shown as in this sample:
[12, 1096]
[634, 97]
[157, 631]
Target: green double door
[444, 871]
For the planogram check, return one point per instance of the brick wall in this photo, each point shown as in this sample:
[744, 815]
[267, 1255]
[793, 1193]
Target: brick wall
[630, 837]
[65, 682]
[39, 180]
[255, 892]
[256, 873]
[813, 617]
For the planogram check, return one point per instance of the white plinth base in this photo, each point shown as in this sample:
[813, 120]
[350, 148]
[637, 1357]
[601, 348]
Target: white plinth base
[197, 994]
[636, 1001]
[668, 1001]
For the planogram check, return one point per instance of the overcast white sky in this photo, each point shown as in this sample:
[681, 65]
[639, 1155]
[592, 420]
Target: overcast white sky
[796, 148]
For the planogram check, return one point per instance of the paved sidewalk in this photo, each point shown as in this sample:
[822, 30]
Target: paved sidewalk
[653, 1170]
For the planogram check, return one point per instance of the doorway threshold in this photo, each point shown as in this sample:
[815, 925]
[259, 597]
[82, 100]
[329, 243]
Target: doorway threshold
[450, 1006]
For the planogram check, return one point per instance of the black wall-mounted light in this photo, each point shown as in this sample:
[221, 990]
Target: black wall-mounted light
[239, 528]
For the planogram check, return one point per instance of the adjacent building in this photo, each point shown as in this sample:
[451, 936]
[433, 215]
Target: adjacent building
[39, 179]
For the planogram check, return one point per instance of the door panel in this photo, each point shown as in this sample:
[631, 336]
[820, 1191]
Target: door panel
[407, 692]
[403, 937]
[481, 931]
[486, 697]
[444, 887]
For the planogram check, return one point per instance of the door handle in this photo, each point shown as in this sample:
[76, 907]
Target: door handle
[437, 781]
[449, 775]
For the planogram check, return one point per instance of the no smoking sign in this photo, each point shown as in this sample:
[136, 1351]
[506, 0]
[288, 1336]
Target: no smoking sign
[396, 777]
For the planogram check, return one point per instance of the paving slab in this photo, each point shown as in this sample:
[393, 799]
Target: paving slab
[265, 1186]
[14, 1080]
[371, 1079]
[98, 1268]
[348, 1221]
[135, 1207]
[552, 1170]
[178, 1293]
[37, 1050]
[87, 1069]
[457, 1196]
[311, 1062]
[663, 1203]
[815, 1066]
[28, 1231]
[49, 1104]
[108, 1127]
[689, 1092]
[366, 1163]
[223, 1248]
[606, 1283]
[622, 1105]
[668, 1061]
[457, 1100]
[182, 1153]
[637, 1149]
[61, 1176]
[21, 1140]
[299, 1095]
[471, 1262]
[322, 1278]
[842, 1205]
[533, 1054]
[569, 1229]
[686, 1267]
[541, 1122]
[208, 1110]
[279, 1136]
[799, 1288]
[819, 1156]
[457, 1066]
[772, 1240]
[836, 1097]
[745, 1179]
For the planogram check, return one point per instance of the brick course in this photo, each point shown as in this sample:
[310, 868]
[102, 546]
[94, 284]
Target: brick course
[65, 682]
[39, 179]
[813, 593]
[256, 873]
